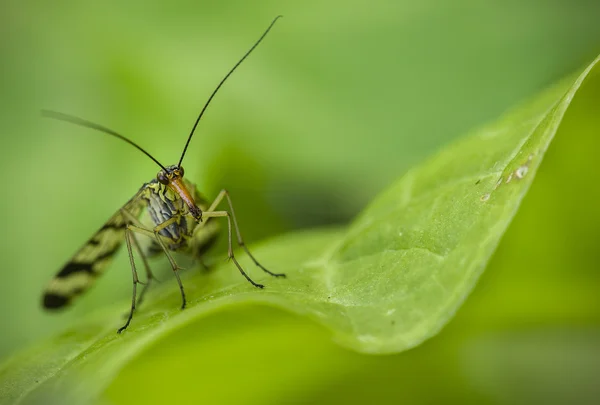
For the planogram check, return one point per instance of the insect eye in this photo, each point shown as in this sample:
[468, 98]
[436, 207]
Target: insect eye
[162, 177]
[180, 171]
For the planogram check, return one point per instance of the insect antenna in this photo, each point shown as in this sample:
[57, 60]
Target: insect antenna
[221, 83]
[88, 124]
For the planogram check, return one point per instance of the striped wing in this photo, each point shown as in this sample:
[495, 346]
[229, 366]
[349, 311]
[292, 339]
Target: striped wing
[91, 260]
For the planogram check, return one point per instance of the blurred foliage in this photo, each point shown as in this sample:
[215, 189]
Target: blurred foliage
[340, 100]
[387, 283]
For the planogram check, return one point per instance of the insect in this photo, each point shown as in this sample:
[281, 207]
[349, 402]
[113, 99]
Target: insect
[168, 210]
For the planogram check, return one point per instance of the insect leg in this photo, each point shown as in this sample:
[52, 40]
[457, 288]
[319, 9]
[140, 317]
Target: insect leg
[219, 214]
[135, 278]
[139, 228]
[131, 219]
[225, 194]
[149, 275]
[174, 265]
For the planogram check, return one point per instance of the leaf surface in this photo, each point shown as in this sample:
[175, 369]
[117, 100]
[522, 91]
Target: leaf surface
[389, 281]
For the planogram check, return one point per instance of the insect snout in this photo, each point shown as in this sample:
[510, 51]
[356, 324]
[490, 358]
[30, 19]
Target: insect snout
[196, 213]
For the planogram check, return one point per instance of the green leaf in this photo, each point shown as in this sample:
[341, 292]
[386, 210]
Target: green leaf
[385, 284]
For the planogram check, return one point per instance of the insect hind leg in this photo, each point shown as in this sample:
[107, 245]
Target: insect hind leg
[149, 275]
[240, 241]
[137, 227]
[136, 281]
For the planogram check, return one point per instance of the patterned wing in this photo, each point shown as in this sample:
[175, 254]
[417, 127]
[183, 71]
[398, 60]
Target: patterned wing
[91, 260]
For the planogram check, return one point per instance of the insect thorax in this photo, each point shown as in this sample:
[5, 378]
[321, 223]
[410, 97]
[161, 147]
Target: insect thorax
[162, 204]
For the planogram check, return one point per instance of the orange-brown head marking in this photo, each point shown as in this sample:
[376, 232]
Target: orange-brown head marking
[173, 178]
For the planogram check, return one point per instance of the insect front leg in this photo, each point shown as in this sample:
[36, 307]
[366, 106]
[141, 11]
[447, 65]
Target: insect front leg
[231, 218]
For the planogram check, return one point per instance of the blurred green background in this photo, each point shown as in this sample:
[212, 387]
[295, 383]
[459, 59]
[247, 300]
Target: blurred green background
[341, 99]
